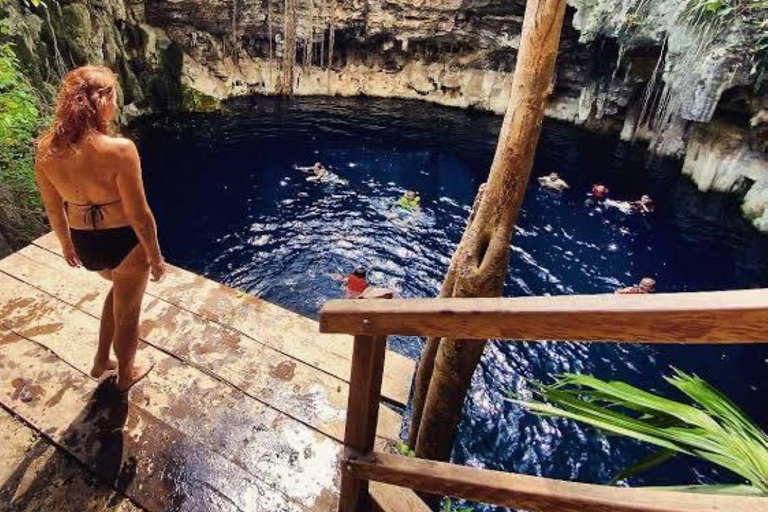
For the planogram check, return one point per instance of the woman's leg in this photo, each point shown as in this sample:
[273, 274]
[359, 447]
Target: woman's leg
[129, 283]
[102, 362]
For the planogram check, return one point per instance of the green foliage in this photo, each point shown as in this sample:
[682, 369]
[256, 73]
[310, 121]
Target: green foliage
[718, 14]
[697, 8]
[449, 506]
[402, 448]
[19, 124]
[713, 428]
[760, 52]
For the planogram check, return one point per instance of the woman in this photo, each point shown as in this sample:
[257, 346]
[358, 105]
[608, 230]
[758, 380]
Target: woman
[91, 186]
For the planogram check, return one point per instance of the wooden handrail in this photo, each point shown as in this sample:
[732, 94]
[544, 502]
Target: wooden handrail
[710, 317]
[704, 317]
[536, 493]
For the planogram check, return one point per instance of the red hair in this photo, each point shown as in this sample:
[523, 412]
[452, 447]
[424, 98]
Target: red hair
[83, 99]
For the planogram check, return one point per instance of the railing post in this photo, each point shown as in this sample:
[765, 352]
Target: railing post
[362, 416]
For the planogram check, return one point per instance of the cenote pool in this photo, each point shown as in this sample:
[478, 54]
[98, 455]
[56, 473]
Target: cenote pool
[231, 205]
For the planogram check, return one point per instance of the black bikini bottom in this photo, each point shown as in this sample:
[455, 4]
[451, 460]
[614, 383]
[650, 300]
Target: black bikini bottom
[103, 249]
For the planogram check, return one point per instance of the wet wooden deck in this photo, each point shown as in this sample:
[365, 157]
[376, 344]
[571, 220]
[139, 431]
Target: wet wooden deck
[244, 411]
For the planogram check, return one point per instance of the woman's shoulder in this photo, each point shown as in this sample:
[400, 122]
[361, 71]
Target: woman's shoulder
[118, 149]
[118, 145]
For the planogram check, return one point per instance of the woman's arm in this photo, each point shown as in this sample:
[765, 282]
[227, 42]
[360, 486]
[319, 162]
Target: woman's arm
[54, 210]
[131, 189]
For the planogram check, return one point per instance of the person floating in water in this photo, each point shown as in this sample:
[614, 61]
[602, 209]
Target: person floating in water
[355, 283]
[553, 181]
[646, 285]
[319, 172]
[410, 201]
[644, 205]
[599, 192]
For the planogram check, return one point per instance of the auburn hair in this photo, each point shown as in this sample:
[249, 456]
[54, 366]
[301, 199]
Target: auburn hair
[85, 94]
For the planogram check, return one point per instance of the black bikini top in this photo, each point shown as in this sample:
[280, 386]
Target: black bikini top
[92, 212]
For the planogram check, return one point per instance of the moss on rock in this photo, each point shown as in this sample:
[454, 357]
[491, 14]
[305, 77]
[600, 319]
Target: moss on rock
[196, 101]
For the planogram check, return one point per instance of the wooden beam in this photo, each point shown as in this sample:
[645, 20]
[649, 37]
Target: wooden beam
[535, 493]
[705, 317]
[389, 498]
[362, 415]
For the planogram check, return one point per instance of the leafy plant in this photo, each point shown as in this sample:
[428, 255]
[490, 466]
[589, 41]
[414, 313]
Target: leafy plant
[697, 8]
[718, 14]
[713, 429]
[448, 506]
[20, 121]
[403, 449]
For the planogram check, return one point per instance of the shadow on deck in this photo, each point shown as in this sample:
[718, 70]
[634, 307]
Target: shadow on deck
[244, 411]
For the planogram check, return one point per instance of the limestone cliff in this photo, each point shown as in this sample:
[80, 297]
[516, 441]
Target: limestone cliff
[637, 68]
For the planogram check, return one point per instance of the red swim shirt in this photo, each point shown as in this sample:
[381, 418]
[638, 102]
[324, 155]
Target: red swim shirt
[356, 284]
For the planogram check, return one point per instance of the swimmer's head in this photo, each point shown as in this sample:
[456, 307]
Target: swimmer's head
[646, 199]
[647, 285]
[410, 194]
[554, 176]
[317, 166]
[360, 272]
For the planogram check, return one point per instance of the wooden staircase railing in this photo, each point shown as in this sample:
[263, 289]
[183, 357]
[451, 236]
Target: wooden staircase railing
[692, 318]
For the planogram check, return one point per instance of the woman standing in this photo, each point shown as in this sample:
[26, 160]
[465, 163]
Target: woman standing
[94, 197]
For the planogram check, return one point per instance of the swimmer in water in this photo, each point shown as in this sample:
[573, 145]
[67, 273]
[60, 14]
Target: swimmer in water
[599, 192]
[553, 181]
[646, 285]
[319, 172]
[644, 205]
[355, 283]
[410, 201]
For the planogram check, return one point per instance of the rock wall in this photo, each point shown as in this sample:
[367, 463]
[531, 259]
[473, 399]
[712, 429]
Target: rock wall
[635, 68]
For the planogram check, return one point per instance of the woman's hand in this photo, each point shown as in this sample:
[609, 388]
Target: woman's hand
[70, 255]
[157, 268]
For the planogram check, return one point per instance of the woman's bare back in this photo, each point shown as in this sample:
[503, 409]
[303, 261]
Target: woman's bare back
[86, 175]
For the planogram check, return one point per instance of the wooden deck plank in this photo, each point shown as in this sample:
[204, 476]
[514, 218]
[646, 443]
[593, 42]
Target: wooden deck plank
[292, 387]
[155, 465]
[35, 476]
[256, 318]
[264, 442]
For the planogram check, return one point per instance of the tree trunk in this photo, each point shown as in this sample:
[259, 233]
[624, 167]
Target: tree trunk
[479, 265]
[289, 47]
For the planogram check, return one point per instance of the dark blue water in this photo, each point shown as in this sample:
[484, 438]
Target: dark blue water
[230, 205]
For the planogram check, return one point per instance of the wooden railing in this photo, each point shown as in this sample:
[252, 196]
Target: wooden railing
[693, 318]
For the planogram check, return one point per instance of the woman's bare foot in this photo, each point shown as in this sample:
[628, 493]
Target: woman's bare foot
[99, 370]
[137, 376]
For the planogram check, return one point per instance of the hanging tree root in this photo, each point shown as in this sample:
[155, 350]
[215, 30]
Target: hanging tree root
[289, 48]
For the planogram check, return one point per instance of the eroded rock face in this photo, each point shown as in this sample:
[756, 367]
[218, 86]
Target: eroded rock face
[632, 68]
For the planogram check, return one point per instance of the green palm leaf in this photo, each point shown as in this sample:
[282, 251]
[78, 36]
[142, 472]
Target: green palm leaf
[711, 428]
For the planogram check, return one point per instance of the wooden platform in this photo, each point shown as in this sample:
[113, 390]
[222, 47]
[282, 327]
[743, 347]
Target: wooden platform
[244, 411]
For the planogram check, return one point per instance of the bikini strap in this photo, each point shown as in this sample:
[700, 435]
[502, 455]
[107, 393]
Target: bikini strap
[92, 212]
